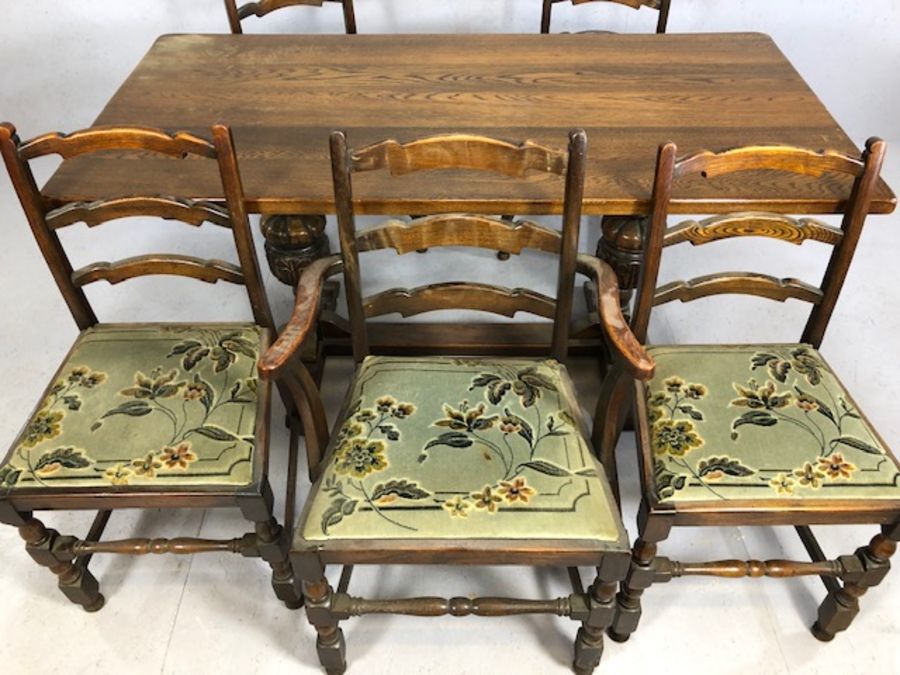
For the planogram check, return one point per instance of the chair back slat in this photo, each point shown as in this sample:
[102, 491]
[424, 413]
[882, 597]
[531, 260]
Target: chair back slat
[865, 171]
[773, 158]
[209, 271]
[745, 283]
[98, 139]
[459, 151]
[466, 152]
[457, 229]
[169, 208]
[459, 295]
[662, 6]
[44, 222]
[770, 225]
[236, 14]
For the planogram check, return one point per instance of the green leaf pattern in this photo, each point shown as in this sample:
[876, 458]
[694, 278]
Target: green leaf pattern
[792, 395]
[177, 397]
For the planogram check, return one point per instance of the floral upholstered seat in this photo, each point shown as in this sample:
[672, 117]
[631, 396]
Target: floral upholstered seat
[760, 422]
[461, 449]
[147, 406]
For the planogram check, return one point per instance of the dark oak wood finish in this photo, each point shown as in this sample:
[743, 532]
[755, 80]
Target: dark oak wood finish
[662, 6]
[68, 557]
[847, 577]
[237, 14]
[282, 94]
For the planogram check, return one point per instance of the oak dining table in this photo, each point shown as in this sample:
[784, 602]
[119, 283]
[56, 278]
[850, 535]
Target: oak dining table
[283, 94]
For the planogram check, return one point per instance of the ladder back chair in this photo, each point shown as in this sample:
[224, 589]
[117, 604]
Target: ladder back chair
[439, 460]
[144, 415]
[662, 6]
[759, 434]
[237, 14]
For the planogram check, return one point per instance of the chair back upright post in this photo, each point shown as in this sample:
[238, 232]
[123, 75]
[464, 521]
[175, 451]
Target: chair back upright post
[51, 248]
[343, 200]
[662, 6]
[45, 218]
[865, 172]
[460, 151]
[854, 217]
[571, 228]
[260, 8]
[233, 186]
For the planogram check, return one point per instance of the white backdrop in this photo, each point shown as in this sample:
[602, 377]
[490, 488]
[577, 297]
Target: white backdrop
[63, 59]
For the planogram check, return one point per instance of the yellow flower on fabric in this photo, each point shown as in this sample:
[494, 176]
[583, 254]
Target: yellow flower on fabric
[385, 403]
[44, 426]
[673, 384]
[695, 391]
[179, 457]
[194, 392]
[403, 410]
[486, 499]
[117, 475]
[836, 467]
[457, 507]
[359, 457]
[147, 466]
[674, 437]
[516, 491]
[809, 475]
[783, 484]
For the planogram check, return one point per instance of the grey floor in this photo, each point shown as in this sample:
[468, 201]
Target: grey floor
[216, 613]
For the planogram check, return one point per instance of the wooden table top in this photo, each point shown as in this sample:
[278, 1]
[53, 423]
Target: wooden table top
[283, 94]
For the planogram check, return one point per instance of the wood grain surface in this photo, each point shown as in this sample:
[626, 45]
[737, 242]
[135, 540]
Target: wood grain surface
[282, 95]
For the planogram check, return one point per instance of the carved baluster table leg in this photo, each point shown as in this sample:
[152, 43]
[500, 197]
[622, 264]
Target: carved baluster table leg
[292, 243]
[621, 246]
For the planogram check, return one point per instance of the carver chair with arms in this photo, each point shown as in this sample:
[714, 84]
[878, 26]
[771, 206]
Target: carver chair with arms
[260, 8]
[449, 461]
[145, 415]
[662, 6]
[754, 434]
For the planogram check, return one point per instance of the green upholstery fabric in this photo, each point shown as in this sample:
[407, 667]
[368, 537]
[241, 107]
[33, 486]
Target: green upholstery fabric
[760, 422]
[441, 448]
[145, 405]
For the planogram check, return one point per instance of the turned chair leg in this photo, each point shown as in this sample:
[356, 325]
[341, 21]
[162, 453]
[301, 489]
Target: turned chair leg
[50, 549]
[841, 606]
[640, 575]
[330, 645]
[602, 602]
[273, 545]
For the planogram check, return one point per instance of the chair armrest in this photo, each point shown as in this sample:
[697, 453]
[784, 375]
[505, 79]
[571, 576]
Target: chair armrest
[306, 310]
[635, 357]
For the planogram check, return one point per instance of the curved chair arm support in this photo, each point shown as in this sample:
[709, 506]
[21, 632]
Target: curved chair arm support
[306, 310]
[635, 357]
